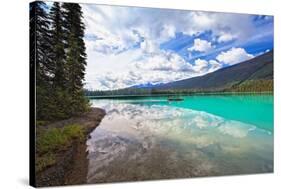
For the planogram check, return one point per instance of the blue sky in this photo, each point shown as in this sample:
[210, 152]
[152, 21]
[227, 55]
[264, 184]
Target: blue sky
[130, 46]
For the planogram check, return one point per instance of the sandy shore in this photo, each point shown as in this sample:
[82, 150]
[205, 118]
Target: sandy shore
[71, 164]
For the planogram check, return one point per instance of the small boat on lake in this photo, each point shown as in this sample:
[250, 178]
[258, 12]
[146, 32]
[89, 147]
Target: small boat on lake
[175, 98]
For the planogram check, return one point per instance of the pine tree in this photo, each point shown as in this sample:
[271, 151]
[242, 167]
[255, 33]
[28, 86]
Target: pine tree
[75, 55]
[57, 41]
[59, 100]
[40, 37]
[40, 50]
[58, 49]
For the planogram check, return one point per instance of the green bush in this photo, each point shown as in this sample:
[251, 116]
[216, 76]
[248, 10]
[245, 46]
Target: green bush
[58, 138]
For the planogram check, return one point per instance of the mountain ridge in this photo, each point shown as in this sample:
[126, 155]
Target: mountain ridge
[257, 68]
[254, 75]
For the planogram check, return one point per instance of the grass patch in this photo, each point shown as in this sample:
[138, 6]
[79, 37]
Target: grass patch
[58, 138]
[44, 161]
[50, 141]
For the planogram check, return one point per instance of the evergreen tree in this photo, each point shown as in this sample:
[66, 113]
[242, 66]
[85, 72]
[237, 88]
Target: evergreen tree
[40, 37]
[75, 55]
[57, 41]
[58, 52]
[40, 50]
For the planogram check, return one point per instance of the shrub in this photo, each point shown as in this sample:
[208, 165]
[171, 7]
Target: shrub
[58, 138]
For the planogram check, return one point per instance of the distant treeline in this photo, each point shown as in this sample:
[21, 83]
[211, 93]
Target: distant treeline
[247, 86]
[127, 91]
[254, 85]
[58, 53]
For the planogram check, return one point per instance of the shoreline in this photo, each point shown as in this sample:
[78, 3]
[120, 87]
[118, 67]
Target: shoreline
[180, 94]
[71, 163]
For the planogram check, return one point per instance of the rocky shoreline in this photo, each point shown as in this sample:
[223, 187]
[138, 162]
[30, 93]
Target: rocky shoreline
[71, 163]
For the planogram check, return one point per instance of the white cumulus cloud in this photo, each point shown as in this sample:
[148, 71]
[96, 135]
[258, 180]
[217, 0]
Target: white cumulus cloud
[225, 37]
[202, 66]
[234, 56]
[125, 45]
[201, 45]
[164, 61]
[158, 67]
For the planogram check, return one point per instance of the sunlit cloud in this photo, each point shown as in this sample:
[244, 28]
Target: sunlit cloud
[129, 46]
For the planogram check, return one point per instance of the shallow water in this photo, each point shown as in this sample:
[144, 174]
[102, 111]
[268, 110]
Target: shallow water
[151, 138]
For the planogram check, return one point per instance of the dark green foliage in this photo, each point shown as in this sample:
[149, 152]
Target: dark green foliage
[59, 53]
[40, 47]
[254, 85]
[40, 54]
[57, 41]
[76, 56]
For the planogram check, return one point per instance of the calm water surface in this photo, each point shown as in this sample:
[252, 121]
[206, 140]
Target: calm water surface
[151, 138]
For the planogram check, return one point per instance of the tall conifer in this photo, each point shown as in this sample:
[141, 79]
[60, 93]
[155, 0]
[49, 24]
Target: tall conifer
[58, 46]
[40, 56]
[58, 49]
[40, 37]
[75, 54]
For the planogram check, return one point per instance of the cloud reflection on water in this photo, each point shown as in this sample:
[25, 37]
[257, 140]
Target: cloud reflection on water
[182, 142]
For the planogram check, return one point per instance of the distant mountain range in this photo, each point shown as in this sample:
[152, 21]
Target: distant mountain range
[255, 74]
[146, 85]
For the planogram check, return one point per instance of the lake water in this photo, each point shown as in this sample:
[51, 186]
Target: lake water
[205, 135]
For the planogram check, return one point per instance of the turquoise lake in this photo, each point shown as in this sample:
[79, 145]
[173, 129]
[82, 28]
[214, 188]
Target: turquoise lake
[148, 138]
